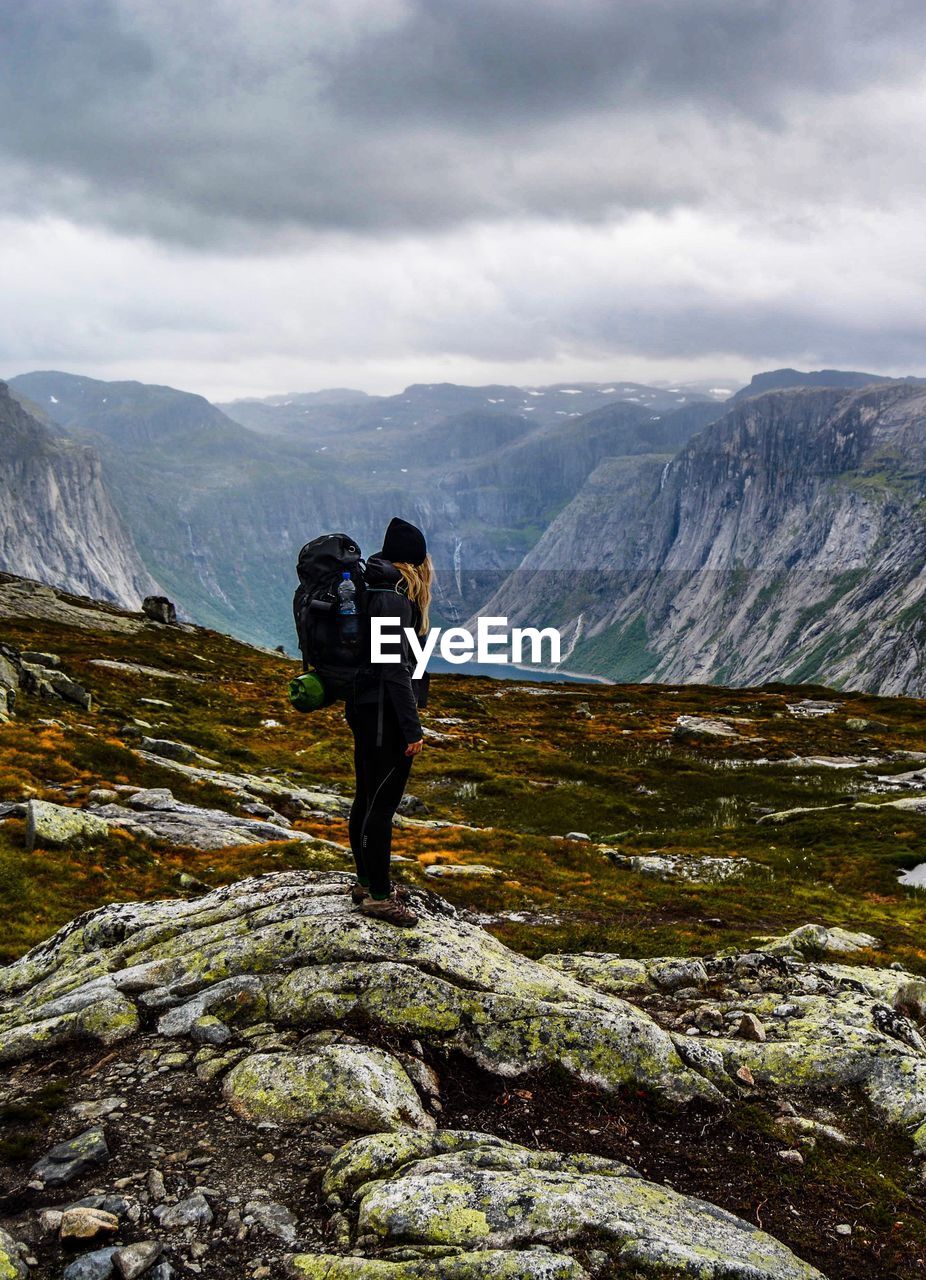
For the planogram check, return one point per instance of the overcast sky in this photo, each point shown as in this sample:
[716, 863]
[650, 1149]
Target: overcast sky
[252, 196]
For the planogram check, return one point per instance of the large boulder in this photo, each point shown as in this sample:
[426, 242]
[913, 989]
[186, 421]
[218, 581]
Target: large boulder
[348, 1085]
[59, 825]
[500, 1207]
[159, 609]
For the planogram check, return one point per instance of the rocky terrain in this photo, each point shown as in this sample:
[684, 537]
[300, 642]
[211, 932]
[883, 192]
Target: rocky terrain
[57, 520]
[784, 542]
[665, 1018]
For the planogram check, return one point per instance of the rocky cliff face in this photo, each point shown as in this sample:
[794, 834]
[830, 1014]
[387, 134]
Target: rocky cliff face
[785, 542]
[220, 510]
[57, 522]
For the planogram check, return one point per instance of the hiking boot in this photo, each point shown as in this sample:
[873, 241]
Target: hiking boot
[358, 894]
[391, 909]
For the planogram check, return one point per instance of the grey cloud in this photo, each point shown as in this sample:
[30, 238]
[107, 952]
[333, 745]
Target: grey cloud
[225, 120]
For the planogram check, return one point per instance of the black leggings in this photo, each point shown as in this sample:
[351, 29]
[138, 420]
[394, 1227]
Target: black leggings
[382, 772]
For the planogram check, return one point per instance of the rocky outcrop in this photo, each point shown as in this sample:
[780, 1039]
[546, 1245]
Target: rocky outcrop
[309, 1017]
[289, 948]
[475, 1206]
[57, 521]
[785, 542]
[38, 674]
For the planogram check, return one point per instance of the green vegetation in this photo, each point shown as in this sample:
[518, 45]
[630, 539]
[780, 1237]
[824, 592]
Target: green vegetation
[525, 766]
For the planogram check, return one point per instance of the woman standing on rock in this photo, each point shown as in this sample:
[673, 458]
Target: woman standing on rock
[383, 717]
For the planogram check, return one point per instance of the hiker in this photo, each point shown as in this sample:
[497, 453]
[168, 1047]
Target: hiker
[382, 712]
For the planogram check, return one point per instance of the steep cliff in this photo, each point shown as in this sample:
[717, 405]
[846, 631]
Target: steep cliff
[57, 522]
[219, 511]
[785, 542]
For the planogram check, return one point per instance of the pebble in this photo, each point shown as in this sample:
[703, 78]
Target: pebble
[790, 1156]
[843, 1229]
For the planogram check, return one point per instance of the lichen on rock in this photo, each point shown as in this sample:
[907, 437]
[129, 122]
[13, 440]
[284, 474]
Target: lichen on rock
[351, 1086]
[499, 1207]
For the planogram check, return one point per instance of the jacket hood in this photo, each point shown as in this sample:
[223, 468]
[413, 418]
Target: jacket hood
[382, 572]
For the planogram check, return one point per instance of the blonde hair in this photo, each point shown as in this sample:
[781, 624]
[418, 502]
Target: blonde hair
[418, 578]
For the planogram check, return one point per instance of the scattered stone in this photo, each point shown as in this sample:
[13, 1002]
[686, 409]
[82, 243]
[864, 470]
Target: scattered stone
[577, 835]
[275, 1219]
[209, 1030]
[750, 1028]
[702, 727]
[690, 869]
[679, 973]
[102, 795]
[790, 1156]
[82, 1223]
[169, 749]
[159, 609]
[811, 708]
[444, 870]
[69, 1159]
[135, 1259]
[40, 659]
[58, 825]
[193, 1213]
[843, 1229]
[91, 1266]
[745, 1075]
[99, 1109]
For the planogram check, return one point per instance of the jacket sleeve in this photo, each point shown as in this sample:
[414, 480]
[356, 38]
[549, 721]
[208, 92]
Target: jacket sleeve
[397, 676]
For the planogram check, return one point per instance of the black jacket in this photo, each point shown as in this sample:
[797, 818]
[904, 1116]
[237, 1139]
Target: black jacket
[386, 598]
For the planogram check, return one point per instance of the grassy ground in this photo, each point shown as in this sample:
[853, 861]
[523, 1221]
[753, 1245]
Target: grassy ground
[526, 763]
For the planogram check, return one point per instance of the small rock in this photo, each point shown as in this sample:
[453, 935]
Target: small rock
[577, 835]
[790, 1156]
[209, 1030]
[91, 1266]
[192, 1212]
[39, 659]
[276, 1219]
[445, 870]
[156, 1188]
[69, 1159]
[843, 1229]
[750, 1028]
[168, 749]
[745, 1075]
[103, 795]
[701, 727]
[84, 1224]
[679, 973]
[135, 1259]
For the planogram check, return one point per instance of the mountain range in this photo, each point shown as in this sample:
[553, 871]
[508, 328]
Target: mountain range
[670, 532]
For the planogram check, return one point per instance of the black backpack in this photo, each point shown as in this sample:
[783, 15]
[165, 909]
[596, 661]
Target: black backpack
[335, 658]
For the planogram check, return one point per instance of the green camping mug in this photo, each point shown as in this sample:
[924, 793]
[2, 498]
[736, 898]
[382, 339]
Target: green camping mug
[306, 692]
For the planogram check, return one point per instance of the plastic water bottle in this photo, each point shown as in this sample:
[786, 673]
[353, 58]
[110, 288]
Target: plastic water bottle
[348, 622]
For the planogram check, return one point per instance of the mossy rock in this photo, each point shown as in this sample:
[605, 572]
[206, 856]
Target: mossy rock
[351, 1086]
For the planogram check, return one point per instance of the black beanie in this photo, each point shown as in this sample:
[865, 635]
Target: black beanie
[404, 543]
